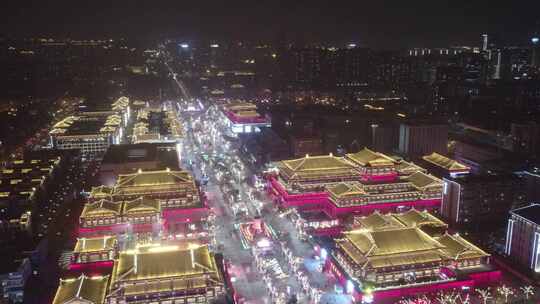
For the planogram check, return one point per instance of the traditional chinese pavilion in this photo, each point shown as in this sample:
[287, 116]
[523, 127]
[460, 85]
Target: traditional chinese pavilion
[166, 274]
[356, 183]
[82, 289]
[94, 250]
[146, 202]
[387, 251]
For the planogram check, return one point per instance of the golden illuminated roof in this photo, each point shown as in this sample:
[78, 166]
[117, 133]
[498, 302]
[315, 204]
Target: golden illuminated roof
[457, 247]
[405, 259]
[378, 221]
[101, 192]
[395, 239]
[141, 205]
[153, 178]
[399, 241]
[415, 218]
[406, 168]
[247, 113]
[165, 262]
[58, 131]
[82, 290]
[95, 244]
[313, 166]
[121, 103]
[107, 129]
[342, 190]
[101, 208]
[445, 162]
[366, 157]
[389, 247]
[423, 180]
[240, 106]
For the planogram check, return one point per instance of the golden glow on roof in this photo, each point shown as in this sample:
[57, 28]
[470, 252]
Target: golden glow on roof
[366, 157]
[445, 162]
[101, 208]
[389, 240]
[153, 178]
[162, 262]
[82, 289]
[311, 164]
[104, 243]
[423, 180]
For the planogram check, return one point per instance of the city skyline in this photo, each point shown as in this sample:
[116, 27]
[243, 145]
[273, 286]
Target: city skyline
[270, 152]
[378, 25]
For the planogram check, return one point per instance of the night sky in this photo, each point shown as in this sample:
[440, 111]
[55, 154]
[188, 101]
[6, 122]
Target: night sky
[378, 24]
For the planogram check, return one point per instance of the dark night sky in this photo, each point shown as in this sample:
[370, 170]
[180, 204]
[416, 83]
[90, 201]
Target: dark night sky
[376, 23]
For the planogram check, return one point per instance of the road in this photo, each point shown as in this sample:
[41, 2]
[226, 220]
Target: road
[212, 155]
[204, 138]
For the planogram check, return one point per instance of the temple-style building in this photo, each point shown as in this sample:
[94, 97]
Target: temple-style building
[242, 117]
[83, 289]
[166, 274]
[148, 202]
[92, 250]
[356, 183]
[395, 250]
[445, 165]
[177, 186]
[411, 218]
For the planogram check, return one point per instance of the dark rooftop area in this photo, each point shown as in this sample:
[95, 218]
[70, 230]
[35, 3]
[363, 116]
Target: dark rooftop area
[531, 213]
[85, 127]
[164, 154]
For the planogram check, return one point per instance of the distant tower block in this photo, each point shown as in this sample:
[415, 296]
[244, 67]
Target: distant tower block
[485, 41]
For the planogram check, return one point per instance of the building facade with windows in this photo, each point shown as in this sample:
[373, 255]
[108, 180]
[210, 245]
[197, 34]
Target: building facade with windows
[523, 237]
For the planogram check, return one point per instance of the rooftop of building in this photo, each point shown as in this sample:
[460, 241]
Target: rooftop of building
[386, 244]
[530, 213]
[154, 178]
[344, 190]
[423, 180]
[82, 289]
[367, 157]
[88, 122]
[141, 205]
[192, 262]
[313, 166]
[20, 178]
[392, 241]
[101, 208]
[411, 219]
[240, 106]
[164, 154]
[95, 244]
[444, 162]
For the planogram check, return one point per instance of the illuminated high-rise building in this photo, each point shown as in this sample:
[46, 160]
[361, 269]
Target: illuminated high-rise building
[535, 56]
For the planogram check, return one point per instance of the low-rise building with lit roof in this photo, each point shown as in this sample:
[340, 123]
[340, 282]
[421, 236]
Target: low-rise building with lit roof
[356, 183]
[447, 166]
[155, 125]
[397, 251]
[90, 132]
[147, 202]
[242, 118]
[83, 289]
[166, 273]
[94, 250]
